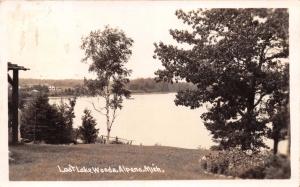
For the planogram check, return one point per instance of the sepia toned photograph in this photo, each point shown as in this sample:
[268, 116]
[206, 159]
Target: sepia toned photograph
[130, 91]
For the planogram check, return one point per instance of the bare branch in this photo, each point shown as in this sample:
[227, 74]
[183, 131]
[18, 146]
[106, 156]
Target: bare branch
[97, 109]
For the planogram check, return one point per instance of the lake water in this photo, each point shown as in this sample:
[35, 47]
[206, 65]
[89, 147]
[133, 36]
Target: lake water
[151, 119]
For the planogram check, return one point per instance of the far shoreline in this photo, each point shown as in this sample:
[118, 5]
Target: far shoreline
[134, 93]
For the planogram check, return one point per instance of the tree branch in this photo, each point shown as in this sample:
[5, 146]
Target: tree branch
[262, 55]
[241, 113]
[97, 109]
[277, 55]
[258, 101]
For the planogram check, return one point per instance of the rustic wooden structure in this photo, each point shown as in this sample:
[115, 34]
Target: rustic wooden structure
[115, 140]
[14, 82]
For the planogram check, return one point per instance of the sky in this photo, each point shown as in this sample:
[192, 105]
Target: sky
[46, 36]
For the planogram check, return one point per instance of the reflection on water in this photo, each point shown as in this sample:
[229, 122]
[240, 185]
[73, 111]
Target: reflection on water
[150, 119]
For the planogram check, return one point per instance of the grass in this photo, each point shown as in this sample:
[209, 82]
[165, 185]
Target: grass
[39, 162]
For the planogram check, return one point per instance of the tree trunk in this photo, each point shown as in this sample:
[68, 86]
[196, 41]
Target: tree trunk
[249, 120]
[275, 146]
[107, 124]
[288, 129]
[289, 140]
[107, 116]
[108, 135]
[107, 111]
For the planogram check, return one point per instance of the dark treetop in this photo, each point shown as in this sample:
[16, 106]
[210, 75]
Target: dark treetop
[236, 59]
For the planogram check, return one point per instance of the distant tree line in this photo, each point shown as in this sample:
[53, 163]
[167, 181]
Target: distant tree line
[148, 85]
[73, 87]
[61, 83]
[77, 90]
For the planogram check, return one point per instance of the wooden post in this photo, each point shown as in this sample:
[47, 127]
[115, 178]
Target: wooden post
[15, 105]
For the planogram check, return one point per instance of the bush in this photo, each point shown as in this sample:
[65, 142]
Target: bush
[257, 172]
[241, 164]
[278, 167]
[87, 131]
[275, 167]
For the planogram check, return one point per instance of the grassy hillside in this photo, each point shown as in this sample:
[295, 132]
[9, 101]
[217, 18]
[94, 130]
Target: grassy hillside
[39, 162]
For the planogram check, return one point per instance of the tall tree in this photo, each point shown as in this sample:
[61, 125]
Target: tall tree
[234, 57]
[66, 114]
[87, 131]
[107, 52]
[37, 118]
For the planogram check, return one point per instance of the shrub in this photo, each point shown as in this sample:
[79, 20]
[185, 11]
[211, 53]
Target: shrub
[249, 165]
[274, 167]
[257, 172]
[278, 167]
[87, 131]
[216, 148]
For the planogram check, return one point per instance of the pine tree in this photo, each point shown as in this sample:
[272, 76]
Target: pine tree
[66, 114]
[36, 119]
[88, 131]
[236, 59]
[50, 123]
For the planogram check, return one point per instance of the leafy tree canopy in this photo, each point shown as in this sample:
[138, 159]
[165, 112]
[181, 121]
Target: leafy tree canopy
[236, 58]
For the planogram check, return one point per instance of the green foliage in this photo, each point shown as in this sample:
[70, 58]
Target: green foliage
[50, 123]
[278, 167]
[64, 128]
[273, 167]
[232, 162]
[240, 164]
[236, 59]
[62, 83]
[107, 52]
[145, 85]
[40, 88]
[37, 117]
[64, 87]
[87, 131]
[72, 87]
